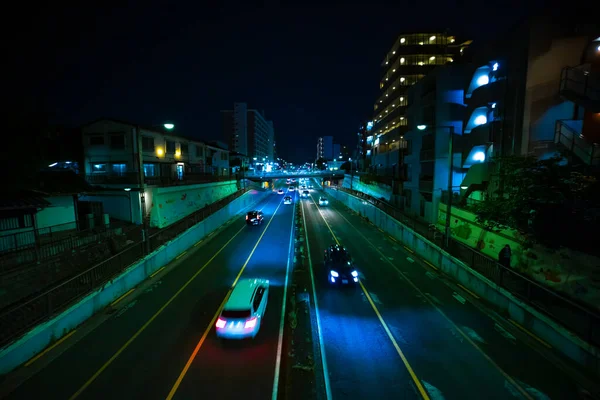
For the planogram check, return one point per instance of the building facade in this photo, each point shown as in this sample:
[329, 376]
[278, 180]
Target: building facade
[325, 148]
[247, 131]
[411, 58]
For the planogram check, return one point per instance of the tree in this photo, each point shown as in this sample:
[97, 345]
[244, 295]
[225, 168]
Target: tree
[544, 200]
[346, 166]
[321, 164]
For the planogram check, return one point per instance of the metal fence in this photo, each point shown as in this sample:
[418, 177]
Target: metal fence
[17, 319]
[132, 178]
[576, 317]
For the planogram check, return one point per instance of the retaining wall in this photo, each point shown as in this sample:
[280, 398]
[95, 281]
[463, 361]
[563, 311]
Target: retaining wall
[46, 333]
[544, 327]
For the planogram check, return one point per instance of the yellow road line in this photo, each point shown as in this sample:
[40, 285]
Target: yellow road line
[510, 379]
[45, 351]
[408, 249]
[467, 290]
[198, 243]
[190, 360]
[181, 255]
[143, 328]
[122, 297]
[393, 238]
[407, 365]
[431, 265]
[529, 333]
[156, 272]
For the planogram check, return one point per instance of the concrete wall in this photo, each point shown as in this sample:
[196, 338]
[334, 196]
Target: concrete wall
[121, 205]
[46, 333]
[60, 212]
[376, 190]
[170, 204]
[528, 317]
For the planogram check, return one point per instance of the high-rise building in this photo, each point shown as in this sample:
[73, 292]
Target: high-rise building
[411, 57]
[248, 132]
[337, 151]
[325, 148]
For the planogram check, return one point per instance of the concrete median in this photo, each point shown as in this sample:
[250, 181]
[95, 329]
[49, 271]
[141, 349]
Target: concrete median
[43, 335]
[518, 311]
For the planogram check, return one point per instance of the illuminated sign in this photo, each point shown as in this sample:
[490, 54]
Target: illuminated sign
[369, 125]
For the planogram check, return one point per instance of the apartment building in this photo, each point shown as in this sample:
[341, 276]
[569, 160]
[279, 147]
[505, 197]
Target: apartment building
[247, 131]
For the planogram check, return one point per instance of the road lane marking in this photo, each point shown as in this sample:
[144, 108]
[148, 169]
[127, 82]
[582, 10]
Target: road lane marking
[529, 333]
[317, 313]
[48, 349]
[459, 298]
[181, 255]
[143, 328]
[190, 360]
[467, 290]
[275, 392]
[156, 272]
[408, 249]
[431, 265]
[199, 242]
[467, 338]
[410, 260]
[122, 297]
[505, 334]
[407, 365]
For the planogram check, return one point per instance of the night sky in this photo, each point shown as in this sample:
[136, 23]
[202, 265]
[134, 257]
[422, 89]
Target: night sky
[313, 69]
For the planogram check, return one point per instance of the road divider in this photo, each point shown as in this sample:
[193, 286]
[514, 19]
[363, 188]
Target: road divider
[542, 326]
[45, 334]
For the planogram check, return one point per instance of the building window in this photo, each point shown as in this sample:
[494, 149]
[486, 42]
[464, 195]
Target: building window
[98, 168]
[184, 148]
[147, 143]
[119, 169]
[170, 147]
[149, 170]
[117, 141]
[96, 140]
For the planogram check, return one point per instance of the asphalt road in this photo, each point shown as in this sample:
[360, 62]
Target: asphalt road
[415, 335]
[139, 347]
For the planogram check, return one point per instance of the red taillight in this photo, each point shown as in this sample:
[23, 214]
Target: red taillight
[251, 323]
[221, 323]
[246, 218]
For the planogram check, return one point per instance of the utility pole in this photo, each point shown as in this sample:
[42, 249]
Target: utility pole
[450, 186]
[140, 163]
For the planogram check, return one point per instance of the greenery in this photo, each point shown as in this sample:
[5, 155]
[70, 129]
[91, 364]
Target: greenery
[321, 164]
[346, 166]
[544, 200]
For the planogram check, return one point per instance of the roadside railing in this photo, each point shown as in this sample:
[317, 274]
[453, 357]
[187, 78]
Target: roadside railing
[132, 178]
[18, 319]
[576, 317]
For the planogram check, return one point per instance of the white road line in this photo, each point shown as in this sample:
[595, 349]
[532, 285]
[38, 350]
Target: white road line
[317, 314]
[283, 306]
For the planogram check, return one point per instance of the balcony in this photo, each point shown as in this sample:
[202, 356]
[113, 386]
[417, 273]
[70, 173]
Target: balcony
[581, 86]
[568, 135]
[132, 178]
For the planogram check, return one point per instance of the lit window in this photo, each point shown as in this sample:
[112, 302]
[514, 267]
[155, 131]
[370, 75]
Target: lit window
[431, 58]
[420, 62]
[421, 43]
[402, 40]
[402, 60]
[432, 38]
[97, 168]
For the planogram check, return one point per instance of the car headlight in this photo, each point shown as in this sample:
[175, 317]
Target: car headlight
[355, 274]
[334, 274]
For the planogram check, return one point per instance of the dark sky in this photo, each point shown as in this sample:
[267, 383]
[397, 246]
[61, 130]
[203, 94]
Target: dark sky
[314, 69]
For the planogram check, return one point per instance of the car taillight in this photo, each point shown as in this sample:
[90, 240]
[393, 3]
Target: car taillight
[251, 323]
[221, 323]
[246, 218]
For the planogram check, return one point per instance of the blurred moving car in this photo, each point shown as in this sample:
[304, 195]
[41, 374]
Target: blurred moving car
[339, 266]
[280, 191]
[254, 217]
[242, 314]
[287, 200]
[305, 194]
[291, 188]
[323, 201]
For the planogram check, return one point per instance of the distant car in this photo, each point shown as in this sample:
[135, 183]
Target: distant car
[305, 194]
[291, 188]
[302, 187]
[242, 315]
[254, 217]
[280, 191]
[339, 266]
[323, 201]
[288, 181]
[310, 186]
[287, 200]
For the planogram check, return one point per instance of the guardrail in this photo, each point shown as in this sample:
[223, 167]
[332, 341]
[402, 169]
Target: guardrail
[574, 316]
[18, 319]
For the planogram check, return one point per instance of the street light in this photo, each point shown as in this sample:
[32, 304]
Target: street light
[450, 171]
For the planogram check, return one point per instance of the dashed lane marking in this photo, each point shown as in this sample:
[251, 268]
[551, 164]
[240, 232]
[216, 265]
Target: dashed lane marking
[467, 290]
[410, 260]
[459, 298]
[530, 334]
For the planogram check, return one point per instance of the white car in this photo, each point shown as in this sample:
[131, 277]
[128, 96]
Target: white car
[242, 315]
[305, 194]
[280, 191]
[287, 200]
[323, 201]
[291, 188]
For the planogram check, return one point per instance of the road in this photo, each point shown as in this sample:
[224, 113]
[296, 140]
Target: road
[141, 346]
[407, 333]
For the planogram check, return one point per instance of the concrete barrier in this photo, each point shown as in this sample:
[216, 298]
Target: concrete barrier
[40, 337]
[523, 314]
